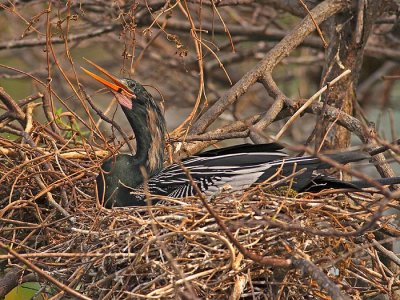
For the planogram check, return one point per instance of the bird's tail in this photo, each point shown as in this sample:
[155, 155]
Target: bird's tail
[321, 182]
[344, 158]
[361, 184]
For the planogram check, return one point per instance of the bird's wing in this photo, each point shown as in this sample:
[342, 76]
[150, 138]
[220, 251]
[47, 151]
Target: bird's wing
[319, 182]
[243, 148]
[239, 170]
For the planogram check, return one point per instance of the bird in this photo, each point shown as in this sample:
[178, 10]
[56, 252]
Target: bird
[124, 178]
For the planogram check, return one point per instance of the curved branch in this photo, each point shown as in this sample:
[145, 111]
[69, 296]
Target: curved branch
[264, 68]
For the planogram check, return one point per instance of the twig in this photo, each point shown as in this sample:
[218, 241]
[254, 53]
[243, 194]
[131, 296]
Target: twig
[321, 35]
[12, 106]
[107, 119]
[269, 261]
[308, 103]
[323, 281]
[41, 273]
[263, 69]
[66, 155]
[390, 254]
[57, 40]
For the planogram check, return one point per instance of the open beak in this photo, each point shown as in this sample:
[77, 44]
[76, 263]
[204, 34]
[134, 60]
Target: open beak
[123, 94]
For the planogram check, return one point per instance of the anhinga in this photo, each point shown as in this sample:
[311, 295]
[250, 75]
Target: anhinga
[121, 182]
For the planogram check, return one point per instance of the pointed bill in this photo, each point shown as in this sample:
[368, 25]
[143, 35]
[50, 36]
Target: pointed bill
[108, 84]
[116, 85]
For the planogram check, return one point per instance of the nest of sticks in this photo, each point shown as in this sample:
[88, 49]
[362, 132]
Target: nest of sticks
[253, 244]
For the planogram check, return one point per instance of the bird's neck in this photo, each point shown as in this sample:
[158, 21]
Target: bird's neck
[149, 128]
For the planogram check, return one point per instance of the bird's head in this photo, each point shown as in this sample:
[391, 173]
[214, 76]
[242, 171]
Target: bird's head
[143, 114]
[126, 91]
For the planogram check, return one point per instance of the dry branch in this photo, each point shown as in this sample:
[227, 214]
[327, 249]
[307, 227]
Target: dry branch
[262, 72]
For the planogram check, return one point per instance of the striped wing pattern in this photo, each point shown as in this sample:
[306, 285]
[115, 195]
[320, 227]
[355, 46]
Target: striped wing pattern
[211, 173]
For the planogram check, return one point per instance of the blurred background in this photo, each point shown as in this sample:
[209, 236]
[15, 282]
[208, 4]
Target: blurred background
[155, 43]
[187, 54]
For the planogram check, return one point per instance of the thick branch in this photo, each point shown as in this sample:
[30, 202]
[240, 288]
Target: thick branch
[267, 64]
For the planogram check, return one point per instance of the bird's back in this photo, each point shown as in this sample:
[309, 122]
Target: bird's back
[239, 167]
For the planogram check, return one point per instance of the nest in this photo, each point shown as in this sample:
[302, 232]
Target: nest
[299, 247]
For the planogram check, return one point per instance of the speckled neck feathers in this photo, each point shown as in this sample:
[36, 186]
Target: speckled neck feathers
[148, 124]
[122, 173]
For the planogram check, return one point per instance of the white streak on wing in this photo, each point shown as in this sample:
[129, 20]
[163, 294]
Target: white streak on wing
[240, 155]
[242, 181]
[215, 177]
[296, 160]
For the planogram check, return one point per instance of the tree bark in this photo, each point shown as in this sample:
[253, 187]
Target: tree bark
[348, 32]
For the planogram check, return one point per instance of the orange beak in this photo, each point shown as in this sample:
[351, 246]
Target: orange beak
[116, 85]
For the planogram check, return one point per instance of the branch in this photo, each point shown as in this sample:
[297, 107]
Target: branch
[261, 33]
[9, 281]
[58, 40]
[263, 69]
[316, 96]
[269, 261]
[42, 274]
[323, 280]
[105, 118]
[306, 266]
[12, 106]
